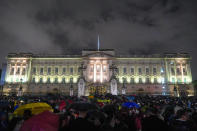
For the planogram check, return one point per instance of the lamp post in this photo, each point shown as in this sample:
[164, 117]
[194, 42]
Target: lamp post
[124, 87]
[175, 91]
[20, 88]
[71, 87]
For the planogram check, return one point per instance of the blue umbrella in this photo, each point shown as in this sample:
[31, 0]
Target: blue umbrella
[131, 98]
[130, 105]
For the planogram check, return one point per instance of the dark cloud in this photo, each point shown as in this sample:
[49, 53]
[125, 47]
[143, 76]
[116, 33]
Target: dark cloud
[129, 26]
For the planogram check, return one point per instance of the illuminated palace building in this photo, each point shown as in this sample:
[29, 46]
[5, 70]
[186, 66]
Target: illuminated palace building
[98, 72]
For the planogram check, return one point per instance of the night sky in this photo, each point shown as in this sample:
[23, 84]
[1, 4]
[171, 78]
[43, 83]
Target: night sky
[128, 26]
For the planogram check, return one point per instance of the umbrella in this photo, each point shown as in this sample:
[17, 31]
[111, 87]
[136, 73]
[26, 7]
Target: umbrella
[35, 108]
[45, 121]
[62, 105]
[110, 109]
[130, 105]
[131, 98]
[83, 106]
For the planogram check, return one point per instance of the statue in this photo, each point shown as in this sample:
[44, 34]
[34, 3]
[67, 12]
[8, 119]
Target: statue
[81, 87]
[114, 90]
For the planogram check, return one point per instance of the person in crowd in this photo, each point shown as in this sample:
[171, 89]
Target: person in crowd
[181, 122]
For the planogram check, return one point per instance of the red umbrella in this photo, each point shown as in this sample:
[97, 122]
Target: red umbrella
[62, 105]
[45, 121]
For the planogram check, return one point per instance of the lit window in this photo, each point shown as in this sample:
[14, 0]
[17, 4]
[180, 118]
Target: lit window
[154, 70]
[185, 80]
[147, 80]
[155, 80]
[71, 70]
[56, 80]
[91, 68]
[12, 71]
[49, 70]
[56, 70]
[140, 70]
[178, 71]
[34, 70]
[132, 70]
[41, 71]
[48, 80]
[41, 80]
[132, 80]
[98, 68]
[24, 70]
[179, 80]
[18, 71]
[173, 80]
[124, 70]
[172, 71]
[63, 80]
[162, 70]
[147, 70]
[64, 70]
[140, 80]
[104, 68]
[33, 80]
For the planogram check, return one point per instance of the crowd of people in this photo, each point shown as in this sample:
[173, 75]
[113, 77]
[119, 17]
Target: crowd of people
[105, 113]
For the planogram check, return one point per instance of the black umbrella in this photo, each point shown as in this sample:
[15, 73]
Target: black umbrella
[83, 106]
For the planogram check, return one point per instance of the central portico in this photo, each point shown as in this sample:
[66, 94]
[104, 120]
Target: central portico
[96, 71]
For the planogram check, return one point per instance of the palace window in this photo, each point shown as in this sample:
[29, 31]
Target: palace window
[140, 70]
[179, 80]
[63, 80]
[147, 71]
[34, 70]
[71, 70]
[173, 80]
[79, 69]
[49, 71]
[71, 80]
[56, 80]
[98, 68]
[132, 80]
[140, 80]
[172, 71]
[104, 68]
[48, 80]
[132, 70]
[64, 70]
[124, 70]
[178, 71]
[24, 70]
[154, 70]
[185, 80]
[56, 70]
[162, 70]
[147, 80]
[155, 80]
[41, 80]
[12, 71]
[33, 80]
[41, 71]
[184, 71]
[91, 68]
[18, 71]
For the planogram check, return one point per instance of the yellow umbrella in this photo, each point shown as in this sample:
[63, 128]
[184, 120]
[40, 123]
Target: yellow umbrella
[35, 108]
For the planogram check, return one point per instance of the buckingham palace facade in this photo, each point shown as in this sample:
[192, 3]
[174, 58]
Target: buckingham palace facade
[98, 72]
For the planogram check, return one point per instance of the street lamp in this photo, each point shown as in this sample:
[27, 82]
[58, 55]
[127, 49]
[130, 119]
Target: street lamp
[71, 86]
